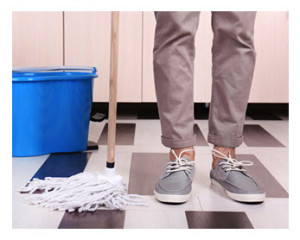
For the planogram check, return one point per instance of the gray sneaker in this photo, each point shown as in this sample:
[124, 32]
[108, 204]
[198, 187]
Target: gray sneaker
[175, 184]
[231, 175]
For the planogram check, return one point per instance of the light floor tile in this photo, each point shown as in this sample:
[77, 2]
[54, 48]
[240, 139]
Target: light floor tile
[276, 160]
[193, 204]
[95, 130]
[97, 162]
[273, 213]
[25, 215]
[155, 219]
[24, 168]
[148, 133]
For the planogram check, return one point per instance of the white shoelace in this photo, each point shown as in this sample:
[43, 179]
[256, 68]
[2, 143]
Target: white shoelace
[231, 164]
[180, 164]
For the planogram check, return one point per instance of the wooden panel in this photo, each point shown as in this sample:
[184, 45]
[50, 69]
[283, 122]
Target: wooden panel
[37, 39]
[148, 87]
[270, 83]
[87, 42]
[271, 76]
[203, 62]
[130, 57]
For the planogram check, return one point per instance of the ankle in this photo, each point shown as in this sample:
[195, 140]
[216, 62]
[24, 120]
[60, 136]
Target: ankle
[188, 154]
[223, 150]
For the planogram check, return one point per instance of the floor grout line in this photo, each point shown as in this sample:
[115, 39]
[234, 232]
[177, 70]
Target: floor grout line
[201, 207]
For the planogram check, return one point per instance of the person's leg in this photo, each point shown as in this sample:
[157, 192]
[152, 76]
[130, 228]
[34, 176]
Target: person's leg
[233, 66]
[173, 62]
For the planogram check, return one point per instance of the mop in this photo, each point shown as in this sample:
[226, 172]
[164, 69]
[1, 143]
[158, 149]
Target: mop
[90, 191]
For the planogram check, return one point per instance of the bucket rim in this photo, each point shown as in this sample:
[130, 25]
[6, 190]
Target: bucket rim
[32, 77]
[25, 74]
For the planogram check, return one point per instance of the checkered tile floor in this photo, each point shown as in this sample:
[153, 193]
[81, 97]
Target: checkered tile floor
[140, 157]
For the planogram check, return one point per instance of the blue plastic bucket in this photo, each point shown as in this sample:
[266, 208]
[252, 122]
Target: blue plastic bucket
[51, 109]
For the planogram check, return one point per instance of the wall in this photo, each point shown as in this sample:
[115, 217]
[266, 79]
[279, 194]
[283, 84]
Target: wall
[83, 38]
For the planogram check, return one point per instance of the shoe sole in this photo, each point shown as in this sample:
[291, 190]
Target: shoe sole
[171, 198]
[241, 197]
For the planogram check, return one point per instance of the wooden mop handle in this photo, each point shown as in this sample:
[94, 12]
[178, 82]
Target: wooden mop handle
[113, 88]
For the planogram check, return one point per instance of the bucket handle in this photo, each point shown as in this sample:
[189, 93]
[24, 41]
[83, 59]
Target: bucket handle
[43, 69]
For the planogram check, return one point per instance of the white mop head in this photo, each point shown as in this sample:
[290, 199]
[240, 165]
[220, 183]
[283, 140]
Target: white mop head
[82, 192]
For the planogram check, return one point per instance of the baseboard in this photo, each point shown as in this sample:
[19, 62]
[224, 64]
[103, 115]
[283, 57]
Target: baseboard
[257, 111]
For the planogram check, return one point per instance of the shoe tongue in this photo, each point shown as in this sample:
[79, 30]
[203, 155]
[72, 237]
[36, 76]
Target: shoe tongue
[186, 159]
[222, 160]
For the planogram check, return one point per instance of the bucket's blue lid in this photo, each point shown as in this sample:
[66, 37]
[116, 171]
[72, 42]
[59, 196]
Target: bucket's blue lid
[53, 73]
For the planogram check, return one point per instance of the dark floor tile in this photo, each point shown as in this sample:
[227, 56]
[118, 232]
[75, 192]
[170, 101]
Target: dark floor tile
[63, 165]
[124, 134]
[221, 220]
[200, 138]
[256, 136]
[263, 177]
[98, 219]
[145, 170]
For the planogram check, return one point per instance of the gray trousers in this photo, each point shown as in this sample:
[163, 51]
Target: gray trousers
[233, 61]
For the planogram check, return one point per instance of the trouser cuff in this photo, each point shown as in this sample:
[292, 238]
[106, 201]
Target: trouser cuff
[179, 143]
[227, 142]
